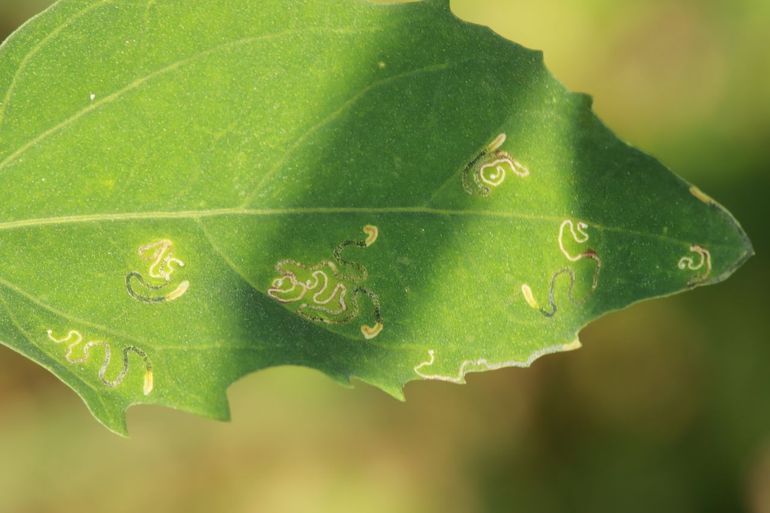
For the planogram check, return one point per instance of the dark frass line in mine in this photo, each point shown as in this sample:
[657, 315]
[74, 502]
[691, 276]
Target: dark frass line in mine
[153, 300]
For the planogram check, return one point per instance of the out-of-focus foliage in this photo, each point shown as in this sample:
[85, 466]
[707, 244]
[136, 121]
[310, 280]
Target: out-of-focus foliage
[664, 409]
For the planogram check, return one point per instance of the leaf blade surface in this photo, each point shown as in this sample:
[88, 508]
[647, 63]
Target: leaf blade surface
[196, 192]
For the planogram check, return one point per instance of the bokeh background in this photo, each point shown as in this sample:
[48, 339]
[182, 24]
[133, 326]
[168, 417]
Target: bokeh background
[665, 409]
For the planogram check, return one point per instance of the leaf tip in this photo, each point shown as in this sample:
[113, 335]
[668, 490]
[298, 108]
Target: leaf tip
[745, 254]
[730, 235]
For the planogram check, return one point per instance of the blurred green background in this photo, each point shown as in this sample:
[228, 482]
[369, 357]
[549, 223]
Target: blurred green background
[665, 409]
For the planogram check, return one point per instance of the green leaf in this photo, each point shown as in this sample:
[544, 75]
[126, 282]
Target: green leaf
[193, 191]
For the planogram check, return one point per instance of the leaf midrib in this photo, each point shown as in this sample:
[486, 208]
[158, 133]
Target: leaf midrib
[300, 211]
